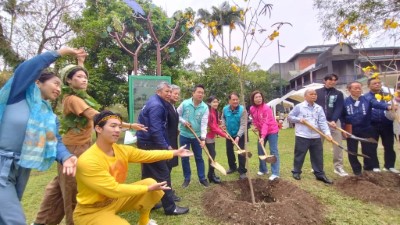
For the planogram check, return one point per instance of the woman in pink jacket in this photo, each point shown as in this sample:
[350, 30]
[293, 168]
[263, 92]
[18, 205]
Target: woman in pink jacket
[264, 122]
[213, 130]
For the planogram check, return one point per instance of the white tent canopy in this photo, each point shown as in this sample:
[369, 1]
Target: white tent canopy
[299, 94]
[277, 101]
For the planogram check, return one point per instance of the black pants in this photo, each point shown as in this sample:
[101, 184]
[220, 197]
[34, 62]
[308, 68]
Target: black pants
[301, 146]
[160, 172]
[230, 153]
[385, 131]
[368, 149]
[213, 153]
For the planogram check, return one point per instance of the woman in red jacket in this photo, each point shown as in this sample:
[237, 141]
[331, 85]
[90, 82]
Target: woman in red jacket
[213, 130]
[264, 122]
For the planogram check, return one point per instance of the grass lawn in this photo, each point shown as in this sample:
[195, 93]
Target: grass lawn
[340, 209]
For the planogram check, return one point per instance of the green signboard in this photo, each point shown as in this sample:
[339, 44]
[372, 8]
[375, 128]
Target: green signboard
[140, 90]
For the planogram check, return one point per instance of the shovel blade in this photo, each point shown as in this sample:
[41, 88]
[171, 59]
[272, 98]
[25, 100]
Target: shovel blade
[369, 140]
[218, 167]
[243, 152]
[270, 159]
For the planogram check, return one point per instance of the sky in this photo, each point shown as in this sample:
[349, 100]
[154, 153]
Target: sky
[300, 13]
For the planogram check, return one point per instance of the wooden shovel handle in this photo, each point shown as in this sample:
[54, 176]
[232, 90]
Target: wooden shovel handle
[331, 140]
[262, 146]
[319, 132]
[198, 139]
[342, 130]
[231, 138]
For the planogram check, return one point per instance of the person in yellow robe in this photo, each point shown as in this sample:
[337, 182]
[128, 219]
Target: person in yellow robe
[101, 175]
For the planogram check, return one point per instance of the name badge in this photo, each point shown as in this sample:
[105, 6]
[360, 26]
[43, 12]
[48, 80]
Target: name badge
[356, 103]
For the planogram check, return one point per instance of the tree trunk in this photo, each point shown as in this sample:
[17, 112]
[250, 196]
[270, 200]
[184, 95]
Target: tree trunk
[158, 71]
[135, 64]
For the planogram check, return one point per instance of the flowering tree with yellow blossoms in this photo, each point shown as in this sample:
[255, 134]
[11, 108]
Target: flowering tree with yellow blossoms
[359, 32]
[246, 19]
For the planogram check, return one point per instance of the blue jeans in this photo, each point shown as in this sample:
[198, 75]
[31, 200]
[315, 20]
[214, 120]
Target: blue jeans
[273, 148]
[11, 194]
[197, 151]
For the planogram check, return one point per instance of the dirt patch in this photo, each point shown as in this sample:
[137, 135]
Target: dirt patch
[378, 188]
[277, 202]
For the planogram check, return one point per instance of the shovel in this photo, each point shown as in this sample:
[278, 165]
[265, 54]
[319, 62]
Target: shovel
[266, 157]
[369, 140]
[239, 151]
[332, 141]
[214, 164]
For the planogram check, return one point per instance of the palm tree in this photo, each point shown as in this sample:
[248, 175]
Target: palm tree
[226, 17]
[204, 18]
[14, 9]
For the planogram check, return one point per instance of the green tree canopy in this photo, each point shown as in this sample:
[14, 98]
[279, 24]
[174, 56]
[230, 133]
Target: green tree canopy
[372, 13]
[108, 64]
[220, 79]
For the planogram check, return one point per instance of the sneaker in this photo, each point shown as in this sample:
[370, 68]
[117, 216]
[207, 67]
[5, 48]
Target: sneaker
[273, 177]
[259, 173]
[340, 172]
[393, 170]
[152, 222]
[205, 183]
[376, 170]
[185, 183]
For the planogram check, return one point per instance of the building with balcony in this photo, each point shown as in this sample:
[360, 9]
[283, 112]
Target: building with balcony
[314, 62]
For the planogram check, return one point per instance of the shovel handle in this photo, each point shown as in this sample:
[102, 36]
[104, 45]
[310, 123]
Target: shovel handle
[331, 140]
[262, 146]
[319, 132]
[342, 130]
[198, 139]
[231, 138]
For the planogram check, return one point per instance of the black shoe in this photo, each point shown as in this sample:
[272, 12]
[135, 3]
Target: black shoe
[178, 211]
[157, 206]
[357, 173]
[296, 176]
[186, 183]
[231, 171]
[324, 179]
[176, 198]
[204, 183]
[214, 179]
[242, 176]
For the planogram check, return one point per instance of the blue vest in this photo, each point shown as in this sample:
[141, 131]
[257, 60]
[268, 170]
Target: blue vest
[193, 115]
[232, 119]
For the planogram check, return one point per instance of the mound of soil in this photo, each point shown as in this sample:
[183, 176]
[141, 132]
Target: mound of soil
[378, 188]
[277, 202]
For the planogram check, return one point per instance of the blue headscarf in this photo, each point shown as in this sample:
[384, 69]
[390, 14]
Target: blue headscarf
[39, 148]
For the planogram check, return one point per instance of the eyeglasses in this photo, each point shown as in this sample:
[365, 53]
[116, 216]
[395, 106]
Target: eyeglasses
[332, 79]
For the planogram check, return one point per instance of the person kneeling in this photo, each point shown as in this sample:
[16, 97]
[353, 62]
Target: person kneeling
[102, 171]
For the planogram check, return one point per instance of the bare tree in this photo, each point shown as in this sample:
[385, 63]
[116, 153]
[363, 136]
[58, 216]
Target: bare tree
[43, 26]
[181, 20]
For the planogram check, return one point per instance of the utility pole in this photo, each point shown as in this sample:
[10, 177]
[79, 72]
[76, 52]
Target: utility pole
[280, 70]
